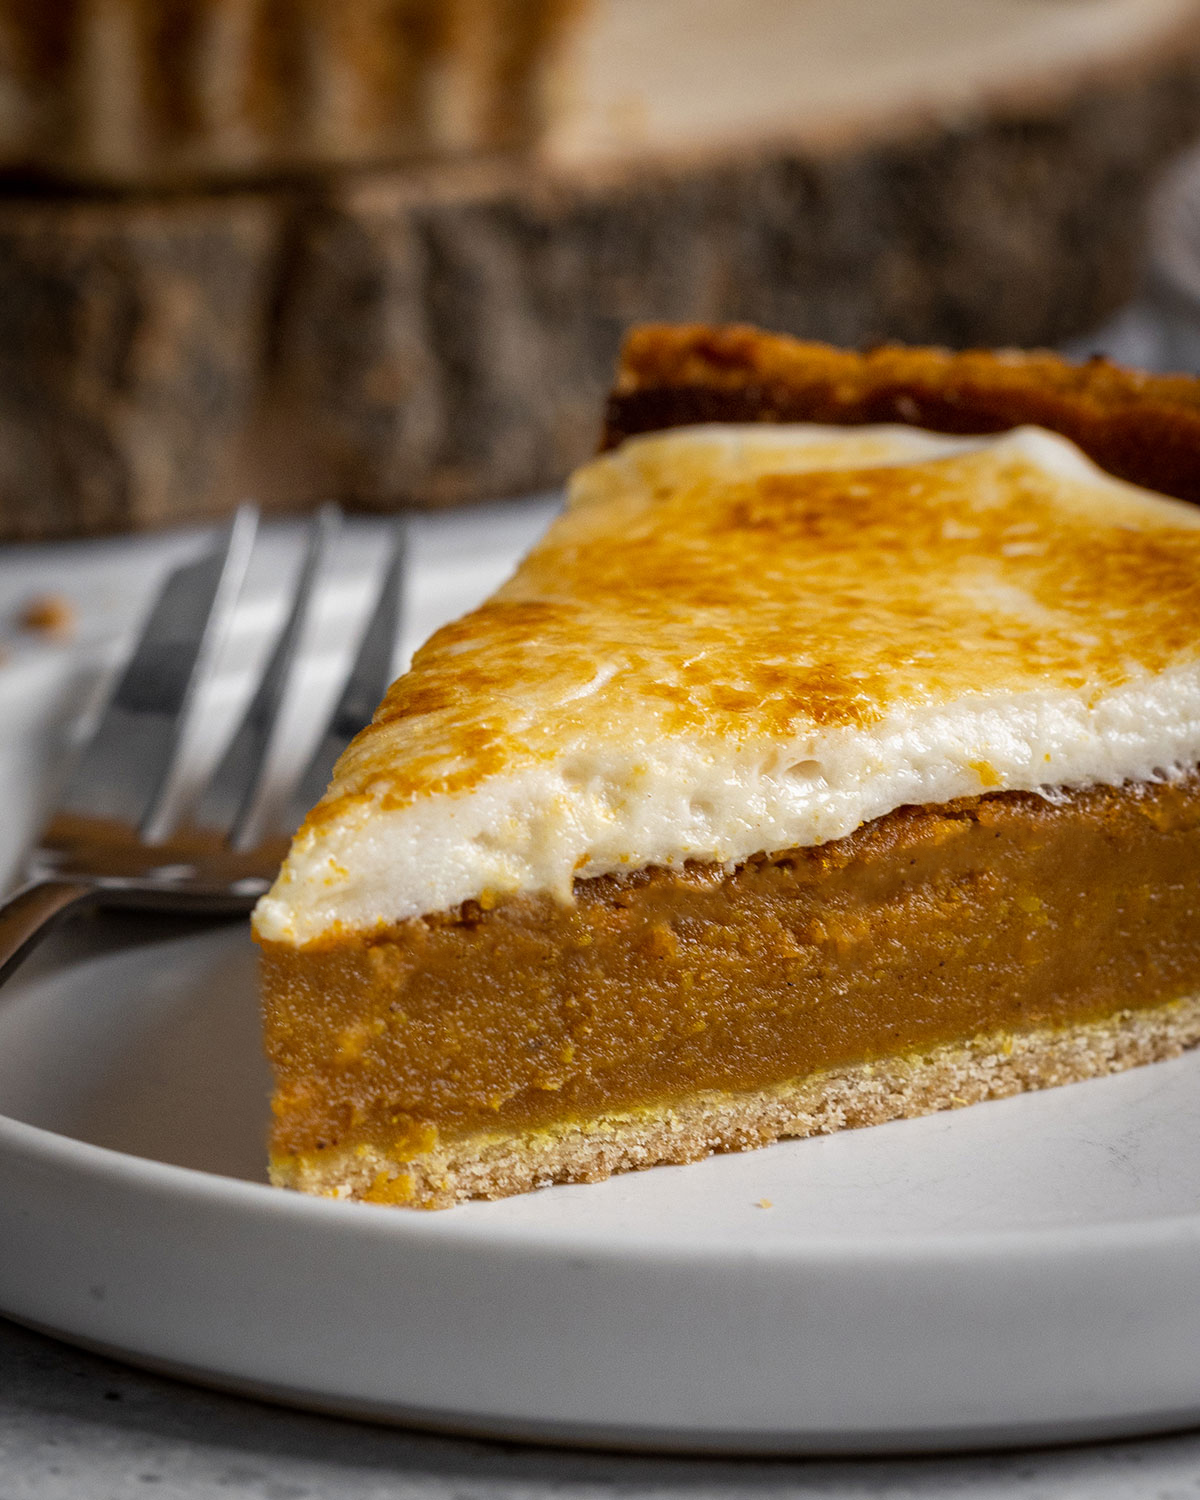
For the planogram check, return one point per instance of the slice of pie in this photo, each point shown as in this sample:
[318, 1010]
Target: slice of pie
[803, 777]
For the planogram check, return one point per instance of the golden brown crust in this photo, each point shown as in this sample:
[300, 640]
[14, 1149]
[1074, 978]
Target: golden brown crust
[1139, 427]
[671, 597]
[947, 1077]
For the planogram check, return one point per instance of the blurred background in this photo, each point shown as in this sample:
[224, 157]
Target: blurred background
[383, 251]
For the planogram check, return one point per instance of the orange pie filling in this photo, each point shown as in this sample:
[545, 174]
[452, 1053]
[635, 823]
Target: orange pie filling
[399, 1053]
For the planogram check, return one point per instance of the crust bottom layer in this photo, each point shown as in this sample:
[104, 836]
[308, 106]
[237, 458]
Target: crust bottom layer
[946, 1077]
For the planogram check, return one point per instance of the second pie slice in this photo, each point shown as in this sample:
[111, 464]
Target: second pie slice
[802, 777]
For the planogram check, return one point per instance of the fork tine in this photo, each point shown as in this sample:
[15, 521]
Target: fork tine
[370, 676]
[240, 780]
[128, 767]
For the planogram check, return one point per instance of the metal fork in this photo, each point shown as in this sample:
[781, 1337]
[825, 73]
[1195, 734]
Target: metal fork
[132, 828]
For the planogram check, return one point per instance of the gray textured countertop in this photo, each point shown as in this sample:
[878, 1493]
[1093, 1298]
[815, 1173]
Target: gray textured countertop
[73, 1425]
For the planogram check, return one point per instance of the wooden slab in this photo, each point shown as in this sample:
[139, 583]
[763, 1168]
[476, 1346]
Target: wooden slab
[434, 336]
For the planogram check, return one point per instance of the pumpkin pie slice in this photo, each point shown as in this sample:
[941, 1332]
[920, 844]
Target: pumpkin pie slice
[819, 767]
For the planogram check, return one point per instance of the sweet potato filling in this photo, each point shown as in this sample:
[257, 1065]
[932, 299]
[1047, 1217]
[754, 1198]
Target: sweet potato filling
[1005, 912]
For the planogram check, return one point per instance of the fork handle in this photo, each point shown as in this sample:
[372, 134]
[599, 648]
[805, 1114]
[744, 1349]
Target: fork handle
[29, 914]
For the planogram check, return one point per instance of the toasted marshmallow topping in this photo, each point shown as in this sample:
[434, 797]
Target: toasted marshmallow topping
[740, 639]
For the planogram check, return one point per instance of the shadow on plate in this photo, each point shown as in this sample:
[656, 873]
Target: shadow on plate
[141, 1034]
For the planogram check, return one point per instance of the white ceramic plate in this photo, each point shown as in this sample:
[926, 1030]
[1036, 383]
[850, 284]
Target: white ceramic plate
[1027, 1270]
